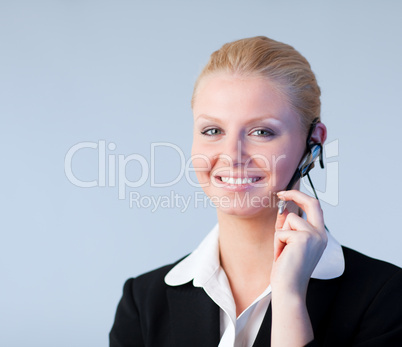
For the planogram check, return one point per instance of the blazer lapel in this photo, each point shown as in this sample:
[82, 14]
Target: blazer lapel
[263, 338]
[194, 317]
[320, 298]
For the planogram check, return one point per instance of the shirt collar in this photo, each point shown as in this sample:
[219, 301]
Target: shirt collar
[203, 262]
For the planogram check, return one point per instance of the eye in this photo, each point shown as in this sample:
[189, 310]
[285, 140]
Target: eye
[211, 132]
[262, 132]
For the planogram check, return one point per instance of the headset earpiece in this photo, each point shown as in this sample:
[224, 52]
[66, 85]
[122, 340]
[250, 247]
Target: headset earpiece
[313, 151]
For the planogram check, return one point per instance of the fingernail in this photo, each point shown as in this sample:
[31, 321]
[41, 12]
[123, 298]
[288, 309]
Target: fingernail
[282, 193]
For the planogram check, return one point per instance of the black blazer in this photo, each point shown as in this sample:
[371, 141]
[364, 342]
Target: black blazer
[363, 307]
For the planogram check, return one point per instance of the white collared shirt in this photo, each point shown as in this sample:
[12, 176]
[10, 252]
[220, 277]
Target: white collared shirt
[203, 267]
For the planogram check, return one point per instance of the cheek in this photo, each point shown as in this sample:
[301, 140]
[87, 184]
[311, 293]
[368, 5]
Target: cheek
[200, 156]
[280, 165]
[202, 161]
[282, 171]
[283, 168]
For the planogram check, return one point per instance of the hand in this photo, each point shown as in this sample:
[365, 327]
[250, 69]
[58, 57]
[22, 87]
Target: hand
[298, 244]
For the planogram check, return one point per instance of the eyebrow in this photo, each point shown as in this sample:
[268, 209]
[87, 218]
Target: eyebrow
[217, 120]
[214, 119]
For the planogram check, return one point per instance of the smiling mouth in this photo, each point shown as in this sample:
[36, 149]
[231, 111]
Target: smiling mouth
[238, 180]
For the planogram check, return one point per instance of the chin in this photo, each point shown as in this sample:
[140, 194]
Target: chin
[244, 205]
[245, 213]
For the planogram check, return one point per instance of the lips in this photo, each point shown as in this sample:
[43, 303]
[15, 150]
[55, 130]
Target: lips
[239, 180]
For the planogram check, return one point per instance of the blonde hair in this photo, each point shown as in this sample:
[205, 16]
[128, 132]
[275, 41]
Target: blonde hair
[280, 63]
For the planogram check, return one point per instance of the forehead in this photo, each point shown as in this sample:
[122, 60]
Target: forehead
[227, 96]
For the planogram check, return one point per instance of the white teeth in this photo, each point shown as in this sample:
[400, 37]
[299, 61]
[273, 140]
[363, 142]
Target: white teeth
[232, 180]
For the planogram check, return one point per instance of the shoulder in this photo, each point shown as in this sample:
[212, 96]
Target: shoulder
[366, 282]
[142, 313]
[370, 293]
[369, 270]
[158, 273]
[363, 305]
[151, 282]
[370, 286]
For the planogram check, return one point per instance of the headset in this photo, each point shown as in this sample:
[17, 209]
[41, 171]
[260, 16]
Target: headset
[313, 151]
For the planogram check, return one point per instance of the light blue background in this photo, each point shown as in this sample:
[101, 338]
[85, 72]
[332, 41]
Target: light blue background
[123, 71]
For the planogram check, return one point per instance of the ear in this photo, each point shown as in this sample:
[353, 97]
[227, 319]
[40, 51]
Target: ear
[319, 134]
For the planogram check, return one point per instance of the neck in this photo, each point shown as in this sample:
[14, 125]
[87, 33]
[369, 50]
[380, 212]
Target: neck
[246, 245]
[246, 249]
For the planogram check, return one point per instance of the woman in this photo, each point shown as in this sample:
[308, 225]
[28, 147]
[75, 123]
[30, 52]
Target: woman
[261, 278]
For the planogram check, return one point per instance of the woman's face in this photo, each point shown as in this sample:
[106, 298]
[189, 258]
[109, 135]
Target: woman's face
[247, 143]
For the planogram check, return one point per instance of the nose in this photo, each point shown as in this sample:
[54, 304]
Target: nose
[234, 150]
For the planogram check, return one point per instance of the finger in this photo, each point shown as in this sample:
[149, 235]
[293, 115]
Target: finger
[280, 219]
[279, 244]
[294, 222]
[280, 241]
[308, 204]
